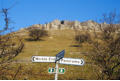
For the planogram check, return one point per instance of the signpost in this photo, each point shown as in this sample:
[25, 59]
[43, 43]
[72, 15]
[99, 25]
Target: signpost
[58, 60]
[59, 56]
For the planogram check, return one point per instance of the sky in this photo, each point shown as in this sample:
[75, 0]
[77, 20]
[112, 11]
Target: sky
[24, 13]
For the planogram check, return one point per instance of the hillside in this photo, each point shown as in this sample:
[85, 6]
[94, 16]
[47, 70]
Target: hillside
[57, 40]
[50, 46]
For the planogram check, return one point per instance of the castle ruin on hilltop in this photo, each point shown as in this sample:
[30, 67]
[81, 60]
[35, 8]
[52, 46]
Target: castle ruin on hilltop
[61, 25]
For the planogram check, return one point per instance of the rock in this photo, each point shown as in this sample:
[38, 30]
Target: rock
[56, 22]
[65, 24]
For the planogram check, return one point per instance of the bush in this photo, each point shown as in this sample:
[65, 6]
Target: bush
[36, 34]
[81, 38]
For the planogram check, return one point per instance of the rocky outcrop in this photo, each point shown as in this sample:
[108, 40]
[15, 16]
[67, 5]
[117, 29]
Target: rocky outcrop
[90, 25]
[62, 25]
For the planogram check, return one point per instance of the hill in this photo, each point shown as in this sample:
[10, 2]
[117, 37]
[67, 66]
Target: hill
[61, 36]
[50, 46]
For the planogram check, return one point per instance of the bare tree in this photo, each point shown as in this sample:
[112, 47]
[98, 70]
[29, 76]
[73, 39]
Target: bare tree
[106, 49]
[105, 46]
[10, 45]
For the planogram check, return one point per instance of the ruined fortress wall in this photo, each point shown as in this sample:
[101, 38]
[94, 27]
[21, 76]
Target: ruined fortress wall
[62, 25]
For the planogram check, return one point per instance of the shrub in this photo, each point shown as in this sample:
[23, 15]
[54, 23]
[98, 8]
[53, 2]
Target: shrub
[81, 38]
[36, 34]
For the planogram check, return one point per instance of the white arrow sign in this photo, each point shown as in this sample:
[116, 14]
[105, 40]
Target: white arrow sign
[43, 59]
[68, 61]
[71, 61]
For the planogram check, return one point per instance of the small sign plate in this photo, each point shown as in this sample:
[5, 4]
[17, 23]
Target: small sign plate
[61, 70]
[60, 55]
[53, 70]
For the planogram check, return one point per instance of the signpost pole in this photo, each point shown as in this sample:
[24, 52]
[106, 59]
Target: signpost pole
[56, 71]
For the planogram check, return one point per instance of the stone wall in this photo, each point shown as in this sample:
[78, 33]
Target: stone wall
[62, 25]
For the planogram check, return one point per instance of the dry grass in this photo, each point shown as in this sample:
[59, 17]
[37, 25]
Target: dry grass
[50, 46]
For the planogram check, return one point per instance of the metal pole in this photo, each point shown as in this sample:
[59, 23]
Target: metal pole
[56, 71]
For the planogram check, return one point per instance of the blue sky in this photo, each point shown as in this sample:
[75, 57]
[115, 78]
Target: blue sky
[28, 12]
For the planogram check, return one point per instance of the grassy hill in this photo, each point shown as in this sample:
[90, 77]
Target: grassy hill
[50, 46]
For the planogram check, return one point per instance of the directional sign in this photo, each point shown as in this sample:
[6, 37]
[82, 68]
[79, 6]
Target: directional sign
[71, 61]
[68, 61]
[43, 59]
[58, 60]
[60, 55]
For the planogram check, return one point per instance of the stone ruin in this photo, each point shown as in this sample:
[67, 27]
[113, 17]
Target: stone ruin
[64, 24]
[61, 25]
